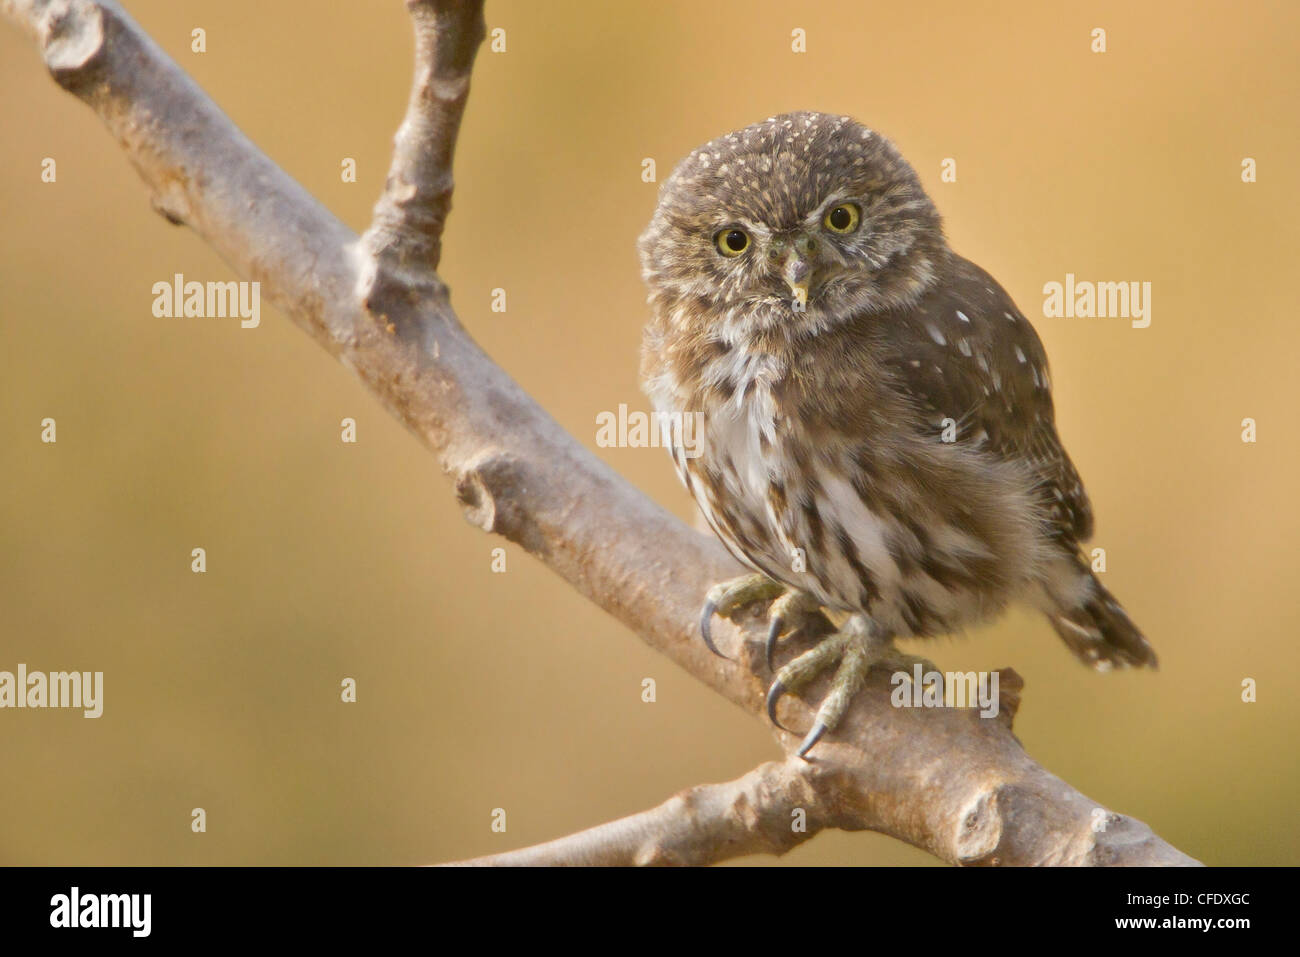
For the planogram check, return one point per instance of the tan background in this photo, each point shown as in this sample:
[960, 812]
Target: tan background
[480, 691]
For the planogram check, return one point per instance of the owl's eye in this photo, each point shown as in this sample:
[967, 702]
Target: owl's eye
[731, 242]
[842, 219]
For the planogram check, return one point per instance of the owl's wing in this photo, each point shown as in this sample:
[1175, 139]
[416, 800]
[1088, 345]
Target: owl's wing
[965, 352]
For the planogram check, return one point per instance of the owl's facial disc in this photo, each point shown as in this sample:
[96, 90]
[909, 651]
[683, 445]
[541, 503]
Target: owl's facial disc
[794, 224]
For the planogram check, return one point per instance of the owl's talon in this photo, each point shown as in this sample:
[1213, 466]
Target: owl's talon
[774, 694]
[773, 632]
[706, 628]
[727, 598]
[813, 737]
[792, 608]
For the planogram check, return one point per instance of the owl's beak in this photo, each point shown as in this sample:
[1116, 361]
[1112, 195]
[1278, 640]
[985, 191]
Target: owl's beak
[797, 275]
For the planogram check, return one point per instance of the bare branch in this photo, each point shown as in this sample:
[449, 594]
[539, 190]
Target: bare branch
[943, 780]
[701, 825]
[406, 235]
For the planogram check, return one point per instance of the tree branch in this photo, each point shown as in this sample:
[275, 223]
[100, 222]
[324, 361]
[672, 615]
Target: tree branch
[406, 234]
[701, 825]
[941, 779]
[963, 789]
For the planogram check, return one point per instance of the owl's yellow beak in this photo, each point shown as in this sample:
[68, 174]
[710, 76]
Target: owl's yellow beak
[798, 274]
[800, 292]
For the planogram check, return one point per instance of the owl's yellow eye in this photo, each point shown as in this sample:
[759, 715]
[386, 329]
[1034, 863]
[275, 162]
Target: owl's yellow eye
[731, 242]
[842, 219]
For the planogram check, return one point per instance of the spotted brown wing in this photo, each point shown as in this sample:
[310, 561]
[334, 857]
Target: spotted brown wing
[966, 353]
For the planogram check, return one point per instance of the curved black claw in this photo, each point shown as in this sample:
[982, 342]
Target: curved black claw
[773, 696]
[814, 736]
[772, 632]
[706, 628]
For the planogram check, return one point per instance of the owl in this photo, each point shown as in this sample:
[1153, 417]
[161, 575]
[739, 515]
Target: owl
[873, 419]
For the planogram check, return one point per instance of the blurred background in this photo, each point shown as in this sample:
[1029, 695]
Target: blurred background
[479, 690]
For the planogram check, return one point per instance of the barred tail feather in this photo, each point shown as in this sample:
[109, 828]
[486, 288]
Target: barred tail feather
[1098, 630]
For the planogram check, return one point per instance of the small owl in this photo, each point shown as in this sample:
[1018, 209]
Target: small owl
[873, 415]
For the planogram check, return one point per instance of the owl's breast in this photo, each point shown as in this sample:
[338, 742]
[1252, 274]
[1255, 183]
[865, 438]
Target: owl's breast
[917, 534]
[746, 469]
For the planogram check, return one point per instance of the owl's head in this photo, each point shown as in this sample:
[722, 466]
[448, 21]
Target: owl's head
[791, 224]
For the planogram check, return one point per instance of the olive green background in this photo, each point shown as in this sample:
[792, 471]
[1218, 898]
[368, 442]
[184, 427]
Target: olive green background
[481, 690]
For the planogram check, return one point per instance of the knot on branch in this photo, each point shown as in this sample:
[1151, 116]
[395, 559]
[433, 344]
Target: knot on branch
[979, 830]
[1119, 841]
[392, 291]
[778, 805]
[72, 38]
[770, 810]
[787, 805]
[490, 490]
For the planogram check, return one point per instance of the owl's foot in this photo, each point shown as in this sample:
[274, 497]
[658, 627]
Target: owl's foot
[793, 609]
[790, 608]
[727, 598]
[857, 648]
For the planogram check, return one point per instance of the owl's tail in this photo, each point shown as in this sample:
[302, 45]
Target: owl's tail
[1094, 626]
